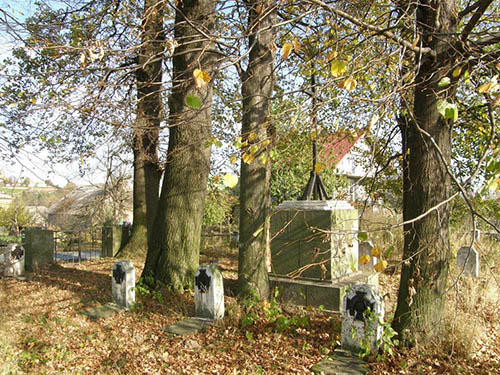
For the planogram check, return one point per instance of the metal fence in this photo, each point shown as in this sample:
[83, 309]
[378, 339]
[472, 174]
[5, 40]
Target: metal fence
[77, 246]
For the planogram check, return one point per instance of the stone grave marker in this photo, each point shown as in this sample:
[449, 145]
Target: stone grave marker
[468, 261]
[365, 249]
[209, 292]
[123, 284]
[358, 328]
[14, 260]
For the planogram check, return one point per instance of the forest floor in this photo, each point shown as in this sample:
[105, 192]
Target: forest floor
[42, 330]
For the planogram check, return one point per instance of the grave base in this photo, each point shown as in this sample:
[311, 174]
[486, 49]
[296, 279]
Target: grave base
[189, 326]
[103, 311]
[340, 363]
[329, 294]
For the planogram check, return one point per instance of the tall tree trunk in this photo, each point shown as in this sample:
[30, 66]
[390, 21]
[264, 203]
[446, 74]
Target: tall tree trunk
[147, 171]
[426, 183]
[257, 88]
[173, 253]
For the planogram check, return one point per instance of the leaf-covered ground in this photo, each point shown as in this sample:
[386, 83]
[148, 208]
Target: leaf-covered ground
[43, 332]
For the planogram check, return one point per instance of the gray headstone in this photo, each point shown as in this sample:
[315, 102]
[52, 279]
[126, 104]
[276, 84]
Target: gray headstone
[468, 261]
[123, 284]
[365, 248]
[14, 260]
[358, 327]
[209, 292]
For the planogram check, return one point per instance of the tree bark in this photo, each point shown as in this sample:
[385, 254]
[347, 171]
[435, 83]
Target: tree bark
[173, 253]
[426, 183]
[257, 88]
[147, 171]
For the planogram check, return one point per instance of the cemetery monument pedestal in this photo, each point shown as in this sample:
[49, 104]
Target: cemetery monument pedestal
[314, 252]
[39, 247]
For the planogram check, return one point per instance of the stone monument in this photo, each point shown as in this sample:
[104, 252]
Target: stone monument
[314, 252]
[123, 284]
[14, 260]
[209, 292]
[314, 239]
[468, 261]
[39, 246]
[362, 312]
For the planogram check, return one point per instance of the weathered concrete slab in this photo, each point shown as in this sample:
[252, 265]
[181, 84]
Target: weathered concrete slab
[340, 363]
[190, 326]
[329, 294]
[103, 311]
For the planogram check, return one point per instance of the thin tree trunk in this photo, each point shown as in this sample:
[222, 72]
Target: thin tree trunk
[147, 171]
[426, 183]
[257, 88]
[173, 254]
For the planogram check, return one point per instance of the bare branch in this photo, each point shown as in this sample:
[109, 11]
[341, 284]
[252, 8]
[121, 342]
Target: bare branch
[482, 5]
[377, 30]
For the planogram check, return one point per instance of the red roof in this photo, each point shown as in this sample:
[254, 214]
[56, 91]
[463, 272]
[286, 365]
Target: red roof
[336, 146]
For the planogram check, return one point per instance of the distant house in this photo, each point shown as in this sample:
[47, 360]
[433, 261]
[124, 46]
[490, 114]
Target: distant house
[347, 152]
[39, 214]
[88, 205]
[76, 209]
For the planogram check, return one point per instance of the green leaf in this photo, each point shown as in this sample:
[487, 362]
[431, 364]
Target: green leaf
[447, 110]
[451, 112]
[362, 236]
[194, 101]
[389, 251]
[445, 81]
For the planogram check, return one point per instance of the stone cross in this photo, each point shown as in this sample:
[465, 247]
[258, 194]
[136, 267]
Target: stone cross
[123, 284]
[468, 261]
[14, 260]
[209, 292]
[362, 311]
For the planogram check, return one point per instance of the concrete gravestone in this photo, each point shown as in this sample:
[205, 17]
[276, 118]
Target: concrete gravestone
[315, 239]
[468, 261]
[123, 284]
[209, 292]
[360, 327]
[14, 260]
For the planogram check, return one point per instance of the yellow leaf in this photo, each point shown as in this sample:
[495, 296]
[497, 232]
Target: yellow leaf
[456, 72]
[296, 46]
[252, 137]
[285, 50]
[497, 101]
[201, 78]
[365, 259]
[263, 158]
[247, 158]
[487, 87]
[233, 159]
[349, 84]
[258, 231]
[414, 44]
[337, 68]
[266, 143]
[331, 56]
[375, 252]
[253, 149]
[230, 180]
[318, 168]
[380, 266]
